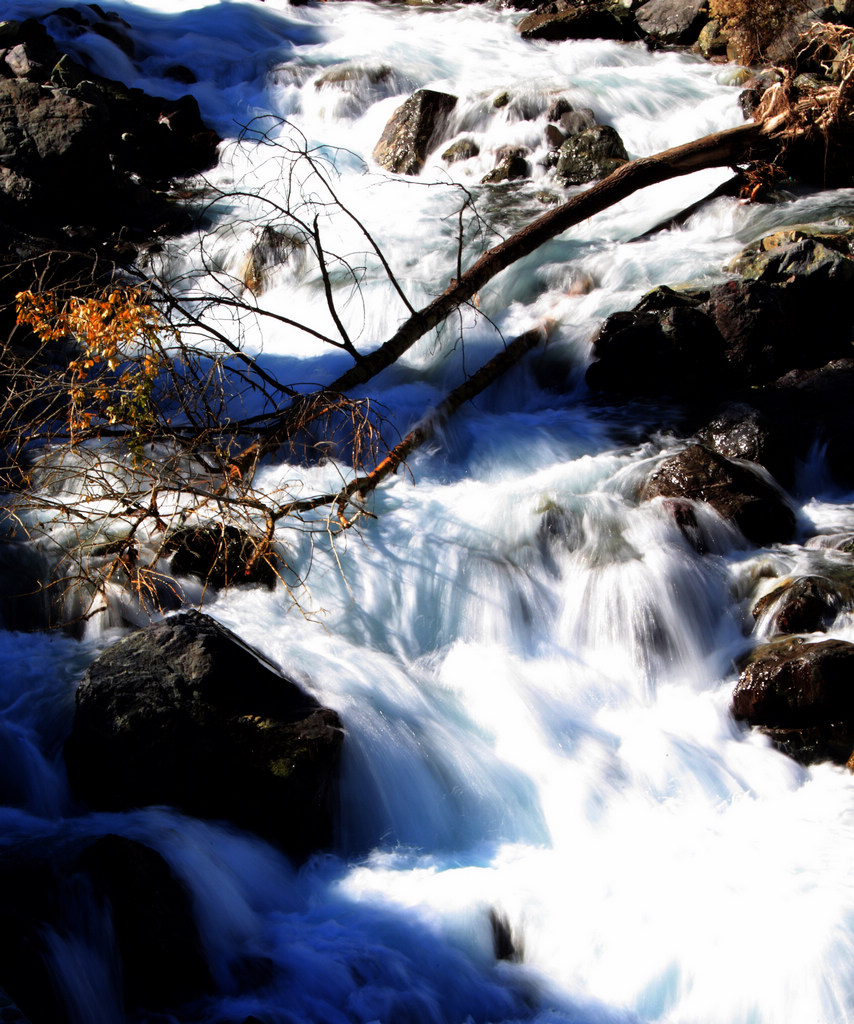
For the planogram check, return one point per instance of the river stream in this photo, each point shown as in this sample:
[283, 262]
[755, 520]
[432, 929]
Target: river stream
[534, 670]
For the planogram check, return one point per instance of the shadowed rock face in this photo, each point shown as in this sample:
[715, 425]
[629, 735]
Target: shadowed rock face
[80, 150]
[183, 713]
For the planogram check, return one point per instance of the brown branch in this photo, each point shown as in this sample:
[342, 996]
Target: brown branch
[472, 386]
[724, 148]
[720, 149]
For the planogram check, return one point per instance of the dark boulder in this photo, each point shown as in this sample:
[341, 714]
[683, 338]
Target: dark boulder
[221, 556]
[674, 352]
[554, 137]
[672, 22]
[802, 696]
[52, 136]
[814, 407]
[93, 152]
[183, 713]
[29, 903]
[814, 275]
[571, 19]
[760, 335]
[808, 604]
[733, 490]
[559, 106]
[413, 131]
[590, 154]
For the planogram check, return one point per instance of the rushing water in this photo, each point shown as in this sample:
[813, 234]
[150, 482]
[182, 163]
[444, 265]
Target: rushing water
[533, 670]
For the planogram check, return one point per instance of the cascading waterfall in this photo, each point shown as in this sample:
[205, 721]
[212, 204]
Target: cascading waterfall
[533, 670]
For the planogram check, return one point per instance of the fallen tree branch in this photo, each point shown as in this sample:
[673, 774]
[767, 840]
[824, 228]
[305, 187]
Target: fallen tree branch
[720, 149]
[361, 486]
[735, 145]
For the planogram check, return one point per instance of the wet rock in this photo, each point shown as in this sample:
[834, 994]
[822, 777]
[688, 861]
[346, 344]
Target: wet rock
[183, 713]
[555, 138]
[574, 121]
[505, 945]
[672, 22]
[818, 266]
[748, 100]
[569, 19]
[740, 431]
[29, 31]
[462, 149]
[808, 604]
[511, 167]
[662, 298]
[802, 696]
[733, 491]
[31, 61]
[44, 134]
[95, 150]
[181, 73]
[712, 42]
[67, 73]
[271, 248]
[162, 961]
[674, 352]
[29, 903]
[558, 108]
[346, 74]
[221, 556]
[413, 130]
[591, 154]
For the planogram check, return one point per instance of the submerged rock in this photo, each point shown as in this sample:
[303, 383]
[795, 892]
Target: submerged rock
[462, 149]
[271, 248]
[734, 492]
[808, 604]
[184, 713]
[413, 131]
[813, 407]
[802, 696]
